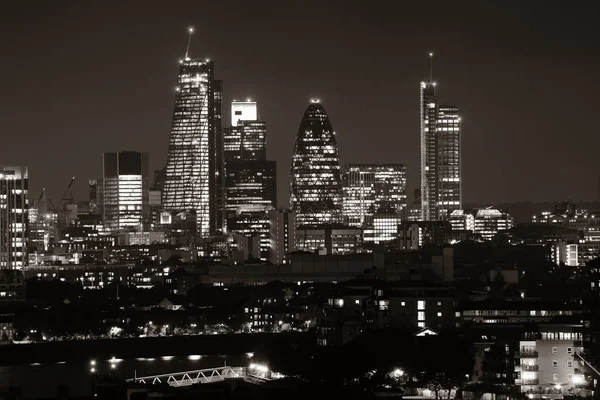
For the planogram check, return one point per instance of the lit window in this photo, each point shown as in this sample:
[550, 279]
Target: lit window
[421, 324]
[421, 315]
[421, 305]
[356, 301]
[457, 314]
[439, 314]
[402, 303]
[439, 303]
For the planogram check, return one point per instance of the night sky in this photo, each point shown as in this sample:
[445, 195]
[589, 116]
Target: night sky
[78, 80]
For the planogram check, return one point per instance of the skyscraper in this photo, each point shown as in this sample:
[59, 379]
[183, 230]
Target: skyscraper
[14, 210]
[125, 191]
[315, 176]
[368, 187]
[250, 179]
[194, 180]
[440, 156]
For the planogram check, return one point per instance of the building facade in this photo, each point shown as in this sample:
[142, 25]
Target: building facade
[315, 176]
[14, 216]
[485, 223]
[194, 179]
[440, 156]
[367, 187]
[282, 232]
[125, 191]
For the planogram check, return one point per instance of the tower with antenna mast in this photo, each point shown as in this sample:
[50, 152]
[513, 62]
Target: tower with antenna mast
[194, 177]
[441, 177]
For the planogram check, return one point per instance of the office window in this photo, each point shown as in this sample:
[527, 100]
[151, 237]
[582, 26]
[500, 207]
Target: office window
[554, 364]
[555, 377]
[569, 364]
[554, 350]
[569, 350]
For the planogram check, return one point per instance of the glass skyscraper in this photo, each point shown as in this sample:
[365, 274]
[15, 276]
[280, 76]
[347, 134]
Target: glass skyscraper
[440, 156]
[194, 179]
[250, 179]
[315, 176]
[14, 216]
[126, 191]
[369, 187]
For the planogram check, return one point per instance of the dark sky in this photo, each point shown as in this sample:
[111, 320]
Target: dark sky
[80, 78]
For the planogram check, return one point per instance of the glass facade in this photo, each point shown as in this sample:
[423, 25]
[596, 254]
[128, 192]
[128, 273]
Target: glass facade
[126, 191]
[14, 216]
[250, 182]
[315, 177]
[440, 157]
[368, 187]
[194, 172]
[246, 141]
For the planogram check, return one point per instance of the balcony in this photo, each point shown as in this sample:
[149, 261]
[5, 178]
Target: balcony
[526, 381]
[523, 367]
[527, 354]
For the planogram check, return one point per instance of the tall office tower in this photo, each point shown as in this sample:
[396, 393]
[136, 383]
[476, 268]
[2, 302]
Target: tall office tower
[315, 177]
[429, 176]
[440, 156]
[193, 187]
[250, 180]
[14, 210]
[282, 232]
[449, 168]
[125, 191]
[369, 187]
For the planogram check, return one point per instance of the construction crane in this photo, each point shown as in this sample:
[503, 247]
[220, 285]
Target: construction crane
[67, 195]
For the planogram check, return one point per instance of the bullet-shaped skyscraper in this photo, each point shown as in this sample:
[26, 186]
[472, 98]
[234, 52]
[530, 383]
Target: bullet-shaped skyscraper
[315, 176]
[440, 156]
[194, 180]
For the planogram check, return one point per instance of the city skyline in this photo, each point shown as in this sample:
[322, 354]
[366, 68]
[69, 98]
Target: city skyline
[122, 120]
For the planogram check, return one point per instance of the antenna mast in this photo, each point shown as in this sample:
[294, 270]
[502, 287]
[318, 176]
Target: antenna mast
[430, 67]
[191, 32]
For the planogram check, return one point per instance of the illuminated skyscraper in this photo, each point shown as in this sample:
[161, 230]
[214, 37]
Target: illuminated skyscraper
[243, 111]
[245, 141]
[14, 216]
[193, 187]
[368, 187]
[440, 156]
[126, 191]
[315, 177]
